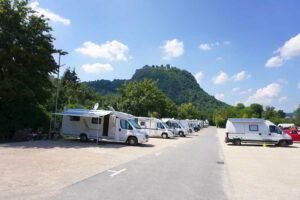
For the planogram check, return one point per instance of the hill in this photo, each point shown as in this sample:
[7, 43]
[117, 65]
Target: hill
[179, 85]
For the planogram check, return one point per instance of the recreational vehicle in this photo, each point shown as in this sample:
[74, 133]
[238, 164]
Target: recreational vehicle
[155, 127]
[245, 130]
[186, 125]
[102, 125]
[177, 128]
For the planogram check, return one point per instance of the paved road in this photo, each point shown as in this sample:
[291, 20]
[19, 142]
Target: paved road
[189, 170]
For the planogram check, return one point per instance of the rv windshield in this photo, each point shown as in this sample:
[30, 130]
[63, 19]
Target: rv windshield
[134, 124]
[165, 125]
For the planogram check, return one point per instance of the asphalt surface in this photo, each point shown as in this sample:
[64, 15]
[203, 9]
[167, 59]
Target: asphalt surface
[193, 169]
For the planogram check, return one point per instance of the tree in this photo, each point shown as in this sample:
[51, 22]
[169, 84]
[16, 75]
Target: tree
[143, 99]
[188, 111]
[281, 114]
[256, 110]
[25, 64]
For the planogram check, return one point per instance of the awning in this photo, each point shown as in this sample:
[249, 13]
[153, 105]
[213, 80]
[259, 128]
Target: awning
[84, 113]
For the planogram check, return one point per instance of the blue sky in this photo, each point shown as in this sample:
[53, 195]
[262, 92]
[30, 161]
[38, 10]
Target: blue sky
[241, 51]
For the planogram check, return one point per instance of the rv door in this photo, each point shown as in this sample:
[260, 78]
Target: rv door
[124, 129]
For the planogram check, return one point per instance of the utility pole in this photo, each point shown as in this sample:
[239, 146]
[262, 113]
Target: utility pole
[60, 53]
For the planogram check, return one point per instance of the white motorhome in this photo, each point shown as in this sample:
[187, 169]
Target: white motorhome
[177, 128]
[285, 125]
[185, 123]
[250, 130]
[205, 123]
[102, 125]
[155, 127]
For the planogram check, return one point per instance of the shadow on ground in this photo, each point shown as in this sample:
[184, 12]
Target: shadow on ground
[75, 144]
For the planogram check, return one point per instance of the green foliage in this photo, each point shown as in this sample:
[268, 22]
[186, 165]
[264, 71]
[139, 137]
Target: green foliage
[188, 111]
[25, 64]
[297, 116]
[253, 111]
[144, 99]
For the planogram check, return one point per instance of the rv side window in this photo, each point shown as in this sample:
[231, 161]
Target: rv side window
[253, 127]
[74, 118]
[96, 120]
[124, 124]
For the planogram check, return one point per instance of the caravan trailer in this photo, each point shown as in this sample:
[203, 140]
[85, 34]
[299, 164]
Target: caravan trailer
[102, 125]
[155, 127]
[177, 128]
[251, 130]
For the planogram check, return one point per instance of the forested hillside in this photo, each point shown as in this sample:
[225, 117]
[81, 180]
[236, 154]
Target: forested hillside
[179, 85]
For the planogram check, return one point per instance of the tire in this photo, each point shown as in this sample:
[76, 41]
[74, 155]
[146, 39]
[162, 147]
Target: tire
[181, 134]
[283, 143]
[132, 141]
[164, 136]
[237, 142]
[83, 137]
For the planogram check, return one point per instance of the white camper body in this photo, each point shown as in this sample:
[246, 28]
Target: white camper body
[248, 130]
[176, 127]
[155, 127]
[285, 125]
[103, 125]
[186, 124]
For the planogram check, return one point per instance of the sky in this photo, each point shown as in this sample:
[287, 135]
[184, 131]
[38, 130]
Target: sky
[239, 51]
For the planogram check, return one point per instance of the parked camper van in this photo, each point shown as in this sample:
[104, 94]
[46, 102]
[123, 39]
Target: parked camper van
[155, 127]
[177, 128]
[186, 125]
[239, 130]
[102, 125]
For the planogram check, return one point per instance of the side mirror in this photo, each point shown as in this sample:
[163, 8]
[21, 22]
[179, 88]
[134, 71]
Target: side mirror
[130, 128]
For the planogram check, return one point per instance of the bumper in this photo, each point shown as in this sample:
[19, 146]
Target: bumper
[228, 140]
[142, 139]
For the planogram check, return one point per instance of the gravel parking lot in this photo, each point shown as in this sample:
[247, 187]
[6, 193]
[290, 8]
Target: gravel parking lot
[257, 172]
[30, 170]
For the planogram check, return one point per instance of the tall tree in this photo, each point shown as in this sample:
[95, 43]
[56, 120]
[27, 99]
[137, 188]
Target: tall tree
[143, 99]
[26, 49]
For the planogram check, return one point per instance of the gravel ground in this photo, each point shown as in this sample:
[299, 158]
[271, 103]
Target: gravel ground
[257, 172]
[36, 169]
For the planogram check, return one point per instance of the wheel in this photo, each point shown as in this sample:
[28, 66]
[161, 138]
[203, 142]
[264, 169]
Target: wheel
[164, 135]
[132, 141]
[237, 142]
[181, 134]
[83, 137]
[283, 143]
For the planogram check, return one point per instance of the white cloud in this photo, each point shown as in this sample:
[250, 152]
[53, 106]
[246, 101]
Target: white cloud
[236, 89]
[290, 49]
[198, 76]
[97, 68]
[265, 95]
[172, 49]
[282, 99]
[205, 47]
[283, 81]
[110, 50]
[219, 96]
[248, 91]
[48, 14]
[241, 76]
[221, 78]
[210, 46]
